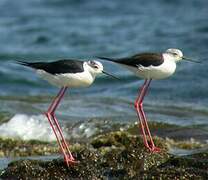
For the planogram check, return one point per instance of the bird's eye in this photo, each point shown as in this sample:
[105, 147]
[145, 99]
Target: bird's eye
[175, 54]
[96, 66]
[93, 64]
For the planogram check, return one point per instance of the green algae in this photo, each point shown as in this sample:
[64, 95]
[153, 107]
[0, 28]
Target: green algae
[156, 127]
[17, 148]
[4, 117]
[186, 145]
[175, 136]
[185, 167]
[113, 155]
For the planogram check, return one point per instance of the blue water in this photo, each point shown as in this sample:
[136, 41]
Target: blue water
[48, 30]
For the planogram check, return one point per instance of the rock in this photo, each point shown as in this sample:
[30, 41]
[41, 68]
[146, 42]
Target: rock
[16, 148]
[116, 154]
[186, 167]
[113, 155]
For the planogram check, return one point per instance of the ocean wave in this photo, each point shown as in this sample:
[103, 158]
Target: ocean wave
[27, 127]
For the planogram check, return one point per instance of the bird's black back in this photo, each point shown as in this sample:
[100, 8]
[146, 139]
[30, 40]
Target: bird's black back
[57, 67]
[143, 59]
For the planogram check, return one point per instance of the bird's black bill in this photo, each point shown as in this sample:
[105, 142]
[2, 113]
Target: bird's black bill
[104, 72]
[191, 60]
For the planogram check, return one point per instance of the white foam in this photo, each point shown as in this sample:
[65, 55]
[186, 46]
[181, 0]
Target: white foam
[27, 127]
[86, 129]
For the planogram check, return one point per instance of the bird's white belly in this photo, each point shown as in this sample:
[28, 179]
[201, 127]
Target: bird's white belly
[82, 79]
[155, 72]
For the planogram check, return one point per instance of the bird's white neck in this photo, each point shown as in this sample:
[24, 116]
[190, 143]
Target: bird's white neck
[168, 57]
[89, 70]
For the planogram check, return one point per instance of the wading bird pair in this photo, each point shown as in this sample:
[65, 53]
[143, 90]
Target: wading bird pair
[75, 73]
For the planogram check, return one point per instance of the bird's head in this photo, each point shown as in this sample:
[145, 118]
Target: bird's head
[95, 67]
[177, 55]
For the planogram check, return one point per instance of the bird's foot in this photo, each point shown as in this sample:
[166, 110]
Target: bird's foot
[70, 161]
[152, 148]
[155, 149]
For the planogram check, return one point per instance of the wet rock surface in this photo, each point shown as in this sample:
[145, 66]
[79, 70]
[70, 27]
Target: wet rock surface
[16, 148]
[114, 155]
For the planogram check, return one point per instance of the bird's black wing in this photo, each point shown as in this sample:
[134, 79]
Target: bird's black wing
[57, 67]
[143, 59]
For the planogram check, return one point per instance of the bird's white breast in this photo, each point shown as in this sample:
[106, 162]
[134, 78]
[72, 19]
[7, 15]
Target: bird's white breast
[82, 79]
[166, 69]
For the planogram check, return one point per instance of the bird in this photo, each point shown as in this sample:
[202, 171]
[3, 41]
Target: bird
[65, 73]
[149, 66]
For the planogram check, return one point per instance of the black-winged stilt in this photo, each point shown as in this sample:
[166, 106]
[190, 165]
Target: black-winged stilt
[64, 74]
[150, 66]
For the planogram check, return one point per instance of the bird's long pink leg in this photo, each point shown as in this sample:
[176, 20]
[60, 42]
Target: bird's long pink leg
[151, 145]
[56, 127]
[54, 102]
[48, 115]
[138, 104]
[142, 117]
[69, 158]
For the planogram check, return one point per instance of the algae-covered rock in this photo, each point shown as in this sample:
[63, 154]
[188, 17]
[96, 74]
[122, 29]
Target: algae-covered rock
[185, 144]
[4, 117]
[185, 167]
[114, 155]
[16, 148]
[172, 131]
[121, 149]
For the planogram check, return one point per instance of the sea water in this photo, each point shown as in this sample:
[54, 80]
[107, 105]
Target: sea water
[50, 30]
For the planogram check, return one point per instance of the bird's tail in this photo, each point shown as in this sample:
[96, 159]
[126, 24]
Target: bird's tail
[34, 65]
[23, 63]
